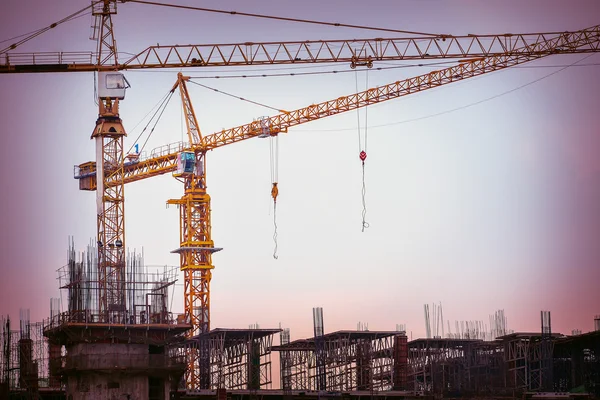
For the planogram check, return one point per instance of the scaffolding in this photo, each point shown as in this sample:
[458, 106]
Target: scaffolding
[577, 363]
[285, 364]
[24, 362]
[485, 368]
[513, 363]
[239, 359]
[438, 365]
[525, 356]
[353, 360]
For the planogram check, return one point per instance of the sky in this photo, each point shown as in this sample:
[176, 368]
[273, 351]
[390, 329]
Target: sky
[480, 195]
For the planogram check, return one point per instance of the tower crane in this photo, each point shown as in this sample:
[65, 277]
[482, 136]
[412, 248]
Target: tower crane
[477, 54]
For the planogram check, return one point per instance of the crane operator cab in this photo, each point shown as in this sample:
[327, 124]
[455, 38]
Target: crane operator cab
[112, 84]
[186, 165]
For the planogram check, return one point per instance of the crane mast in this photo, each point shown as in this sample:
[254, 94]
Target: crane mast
[108, 135]
[196, 244]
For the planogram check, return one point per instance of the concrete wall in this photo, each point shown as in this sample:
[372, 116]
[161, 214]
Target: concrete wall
[92, 386]
[106, 348]
[109, 371]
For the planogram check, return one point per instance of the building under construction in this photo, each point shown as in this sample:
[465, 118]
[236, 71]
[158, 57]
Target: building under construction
[97, 360]
[136, 348]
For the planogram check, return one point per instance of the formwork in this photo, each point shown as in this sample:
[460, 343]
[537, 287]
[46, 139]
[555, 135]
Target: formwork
[354, 361]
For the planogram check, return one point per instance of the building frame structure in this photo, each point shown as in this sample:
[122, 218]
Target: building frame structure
[354, 361]
[239, 359]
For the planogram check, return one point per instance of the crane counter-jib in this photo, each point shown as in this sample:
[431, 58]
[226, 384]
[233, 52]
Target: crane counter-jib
[86, 172]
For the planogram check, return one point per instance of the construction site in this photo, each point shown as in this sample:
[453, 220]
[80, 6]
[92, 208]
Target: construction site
[151, 358]
[114, 332]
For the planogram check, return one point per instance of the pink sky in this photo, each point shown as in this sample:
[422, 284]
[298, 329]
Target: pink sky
[496, 206]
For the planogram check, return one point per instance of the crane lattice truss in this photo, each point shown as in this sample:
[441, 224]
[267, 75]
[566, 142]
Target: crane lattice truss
[196, 245]
[355, 52]
[110, 202]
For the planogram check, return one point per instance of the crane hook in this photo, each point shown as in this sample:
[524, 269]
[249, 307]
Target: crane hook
[274, 192]
[363, 156]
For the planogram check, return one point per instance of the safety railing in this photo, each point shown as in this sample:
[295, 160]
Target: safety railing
[167, 149]
[44, 58]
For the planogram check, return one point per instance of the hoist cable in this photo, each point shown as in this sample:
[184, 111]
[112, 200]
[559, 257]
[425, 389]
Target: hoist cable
[274, 159]
[162, 110]
[363, 152]
[366, 109]
[358, 113]
[275, 256]
[157, 107]
[274, 152]
[365, 224]
[237, 97]
[38, 32]
[306, 21]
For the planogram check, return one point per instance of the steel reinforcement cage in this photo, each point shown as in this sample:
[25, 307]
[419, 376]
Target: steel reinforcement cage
[145, 289]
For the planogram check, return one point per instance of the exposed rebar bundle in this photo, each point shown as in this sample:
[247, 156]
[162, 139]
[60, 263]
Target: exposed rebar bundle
[146, 291]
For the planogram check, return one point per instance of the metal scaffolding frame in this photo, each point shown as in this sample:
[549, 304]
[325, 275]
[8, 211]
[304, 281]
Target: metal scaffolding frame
[512, 363]
[577, 363]
[438, 365]
[238, 358]
[24, 362]
[525, 353]
[354, 360]
[485, 373]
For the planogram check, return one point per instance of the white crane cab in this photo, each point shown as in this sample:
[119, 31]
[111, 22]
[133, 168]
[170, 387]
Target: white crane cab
[112, 84]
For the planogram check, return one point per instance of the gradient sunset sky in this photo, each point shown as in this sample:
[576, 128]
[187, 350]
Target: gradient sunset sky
[481, 195]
